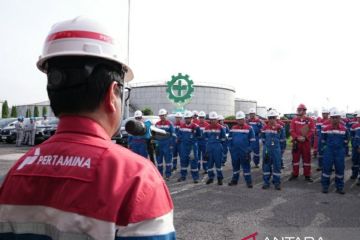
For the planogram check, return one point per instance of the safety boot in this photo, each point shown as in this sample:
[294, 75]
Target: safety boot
[209, 181]
[340, 191]
[293, 177]
[181, 179]
[232, 183]
[308, 179]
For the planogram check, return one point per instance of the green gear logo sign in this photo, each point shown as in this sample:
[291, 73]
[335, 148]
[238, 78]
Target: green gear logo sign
[180, 89]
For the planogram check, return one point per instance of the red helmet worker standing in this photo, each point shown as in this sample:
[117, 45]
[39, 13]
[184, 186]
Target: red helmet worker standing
[301, 129]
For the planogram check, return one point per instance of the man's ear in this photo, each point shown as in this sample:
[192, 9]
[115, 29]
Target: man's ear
[112, 99]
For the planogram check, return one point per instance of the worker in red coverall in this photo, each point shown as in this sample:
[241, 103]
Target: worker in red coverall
[302, 129]
[78, 184]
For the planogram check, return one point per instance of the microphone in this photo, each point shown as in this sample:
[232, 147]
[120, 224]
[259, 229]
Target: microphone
[138, 128]
[135, 128]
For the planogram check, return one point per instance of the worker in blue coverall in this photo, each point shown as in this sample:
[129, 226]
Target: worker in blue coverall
[256, 124]
[355, 142]
[225, 143]
[188, 133]
[320, 124]
[215, 137]
[201, 142]
[165, 145]
[138, 144]
[272, 135]
[335, 139]
[176, 142]
[241, 139]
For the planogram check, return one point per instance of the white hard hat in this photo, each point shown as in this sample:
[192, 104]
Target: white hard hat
[335, 113]
[272, 113]
[178, 114]
[213, 115]
[202, 114]
[82, 37]
[240, 115]
[325, 110]
[162, 112]
[252, 110]
[138, 113]
[220, 117]
[188, 114]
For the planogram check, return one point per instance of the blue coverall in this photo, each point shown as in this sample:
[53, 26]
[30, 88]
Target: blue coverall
[271, 138]
[215, 137]
[176, 145]
[335, 141]
[165, 148]
[187, 135]
[257, 125]
[241, 139]
[225, 144]
[202, 146]
[355, 142]
[138, 144]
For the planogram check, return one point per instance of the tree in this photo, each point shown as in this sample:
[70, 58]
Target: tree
[5, 110]
[231, 117]
[13, 112]
[44, 110]
[147, 111]
[28, 113]
[36, 111]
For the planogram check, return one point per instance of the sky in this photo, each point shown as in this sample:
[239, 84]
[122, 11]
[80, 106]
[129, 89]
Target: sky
[280, 53]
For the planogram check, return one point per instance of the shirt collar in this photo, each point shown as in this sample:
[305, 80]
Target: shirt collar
[82, 125]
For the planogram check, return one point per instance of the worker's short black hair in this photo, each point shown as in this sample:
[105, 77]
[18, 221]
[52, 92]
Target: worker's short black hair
[79, 84]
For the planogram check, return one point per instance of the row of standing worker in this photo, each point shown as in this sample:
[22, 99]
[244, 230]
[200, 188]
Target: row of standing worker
[205, 145]
[25, 132]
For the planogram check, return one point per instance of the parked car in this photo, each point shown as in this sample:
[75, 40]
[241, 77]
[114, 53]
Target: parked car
[50, 128]
[8, 132]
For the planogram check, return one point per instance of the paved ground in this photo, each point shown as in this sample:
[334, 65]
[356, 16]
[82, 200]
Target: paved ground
[223, 212]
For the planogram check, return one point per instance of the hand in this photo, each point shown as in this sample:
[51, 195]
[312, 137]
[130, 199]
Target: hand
[301, 139]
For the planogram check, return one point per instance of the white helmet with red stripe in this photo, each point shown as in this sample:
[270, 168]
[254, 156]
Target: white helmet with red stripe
[138, 113]
[202, 114]
[81, 37]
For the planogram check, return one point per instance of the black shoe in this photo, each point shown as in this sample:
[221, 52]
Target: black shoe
[265, 187]
[282, 167]
[174, 169]
[257, 166]
[325, 191]
[308, 179]
[249, 185]
[223, 164]
[353, 177]
[209, 181]
[220, 181]
[196, 181]
[205, 172]
[340, 191]
[232, 183]
[318, 169]
[278, 187]
[358, 183]
[181, 179]
[293, 177]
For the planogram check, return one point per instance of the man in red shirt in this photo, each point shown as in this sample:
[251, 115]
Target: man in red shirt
[301, 129]
[78, 184]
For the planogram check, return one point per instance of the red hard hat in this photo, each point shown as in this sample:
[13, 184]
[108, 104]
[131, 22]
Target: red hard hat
[301, 106]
